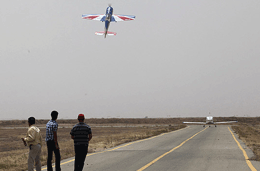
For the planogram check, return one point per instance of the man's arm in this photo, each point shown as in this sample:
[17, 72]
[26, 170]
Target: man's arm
[72, 133]
[89, 137]
[55, 139]
[30, 136]
[24, 142]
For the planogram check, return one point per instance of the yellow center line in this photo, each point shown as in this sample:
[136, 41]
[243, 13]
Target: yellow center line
[158, 158]
[45, 168]
[244, 152]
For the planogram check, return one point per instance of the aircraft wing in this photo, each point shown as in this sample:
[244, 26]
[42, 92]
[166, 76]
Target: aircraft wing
[194, 122]
[116, 18]
[98, 17]
[225, 122]
[100, 33]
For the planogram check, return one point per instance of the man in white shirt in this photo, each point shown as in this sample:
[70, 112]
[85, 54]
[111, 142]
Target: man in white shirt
[34, 140]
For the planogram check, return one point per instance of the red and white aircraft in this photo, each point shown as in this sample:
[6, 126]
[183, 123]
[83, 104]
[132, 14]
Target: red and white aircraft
[107, 18]
[209, 120]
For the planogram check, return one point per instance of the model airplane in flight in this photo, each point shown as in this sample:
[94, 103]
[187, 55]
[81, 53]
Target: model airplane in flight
[209, 120]
[107, 18]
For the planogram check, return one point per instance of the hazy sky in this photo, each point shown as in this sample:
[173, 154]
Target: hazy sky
[179, 58]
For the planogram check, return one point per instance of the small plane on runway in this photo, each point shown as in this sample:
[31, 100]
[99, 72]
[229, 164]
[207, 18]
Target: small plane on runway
[209, 120]
[107, 18]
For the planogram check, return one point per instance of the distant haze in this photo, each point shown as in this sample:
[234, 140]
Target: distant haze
[177, 59]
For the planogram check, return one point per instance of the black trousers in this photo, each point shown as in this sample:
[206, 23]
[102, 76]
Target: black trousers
[80, 156]
[51, 148]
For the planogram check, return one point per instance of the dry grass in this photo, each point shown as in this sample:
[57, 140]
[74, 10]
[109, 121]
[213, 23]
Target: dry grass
[13, 154]
[250, 135]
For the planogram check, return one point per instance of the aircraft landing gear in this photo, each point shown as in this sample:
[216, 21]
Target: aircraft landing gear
[203, 125]
[215, 125]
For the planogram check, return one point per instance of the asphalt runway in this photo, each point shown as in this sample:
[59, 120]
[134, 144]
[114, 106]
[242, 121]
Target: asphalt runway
[190, 149]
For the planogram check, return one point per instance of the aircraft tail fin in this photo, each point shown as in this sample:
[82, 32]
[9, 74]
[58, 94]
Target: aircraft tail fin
[101, 33]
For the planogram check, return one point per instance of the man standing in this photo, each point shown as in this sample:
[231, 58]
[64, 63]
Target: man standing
[34, 140]
[52, 142]
[81, 133]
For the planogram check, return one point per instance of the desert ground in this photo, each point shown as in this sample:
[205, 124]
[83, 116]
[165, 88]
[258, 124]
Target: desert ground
[107, 133]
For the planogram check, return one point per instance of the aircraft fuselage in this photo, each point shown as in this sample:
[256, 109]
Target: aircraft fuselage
[109, 13]
[209, 120]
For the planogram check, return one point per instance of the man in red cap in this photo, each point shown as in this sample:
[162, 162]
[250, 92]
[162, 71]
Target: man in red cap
[81, 134]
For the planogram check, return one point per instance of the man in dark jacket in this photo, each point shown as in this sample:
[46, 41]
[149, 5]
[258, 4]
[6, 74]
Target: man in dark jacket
[81, 134]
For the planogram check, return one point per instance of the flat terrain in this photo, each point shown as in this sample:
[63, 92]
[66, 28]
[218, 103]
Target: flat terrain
[13, 154]
[109, 133]
[194, 148]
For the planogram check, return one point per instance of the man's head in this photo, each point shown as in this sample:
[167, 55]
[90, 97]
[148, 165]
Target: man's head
[81, 118]
[31, 121]
[54, 115]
